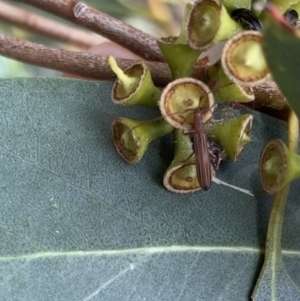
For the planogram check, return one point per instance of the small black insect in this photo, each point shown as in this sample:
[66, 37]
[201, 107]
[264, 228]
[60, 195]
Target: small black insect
[291, 16]
[217, 155]
[247, 19]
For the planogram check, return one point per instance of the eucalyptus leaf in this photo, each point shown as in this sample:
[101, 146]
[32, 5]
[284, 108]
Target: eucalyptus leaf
[78, 223]
[282, 48]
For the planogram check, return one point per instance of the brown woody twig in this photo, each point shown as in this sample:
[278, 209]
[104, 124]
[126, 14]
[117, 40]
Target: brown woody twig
[121, 33]
[269, 95]
[34, 23]
[79, 63]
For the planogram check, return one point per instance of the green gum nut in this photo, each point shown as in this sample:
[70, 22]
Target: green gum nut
[179, 56]
[133, 86]
[243, 59]
[232, 134]
[209, 23]
[181, 97]
[278, 166]
[181, 175]
[227, 90]
[132, 137]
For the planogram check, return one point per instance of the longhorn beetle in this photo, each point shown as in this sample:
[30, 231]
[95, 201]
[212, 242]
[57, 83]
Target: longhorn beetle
[202, 155]
[205, 153]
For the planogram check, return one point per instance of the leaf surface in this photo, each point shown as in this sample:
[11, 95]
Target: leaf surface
[281, 49]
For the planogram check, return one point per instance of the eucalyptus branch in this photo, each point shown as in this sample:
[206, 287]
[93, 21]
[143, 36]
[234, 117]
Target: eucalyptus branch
[269, 95]
[79, 63]
[40, 25]
[115, 30]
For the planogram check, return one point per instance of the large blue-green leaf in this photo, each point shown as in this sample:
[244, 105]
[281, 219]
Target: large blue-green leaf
[281, 48]
[78, 223]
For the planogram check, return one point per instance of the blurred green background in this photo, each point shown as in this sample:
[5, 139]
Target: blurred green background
[156, 17]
